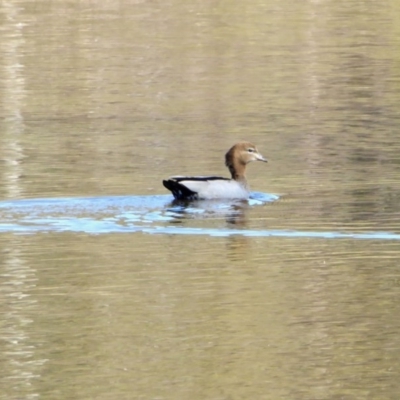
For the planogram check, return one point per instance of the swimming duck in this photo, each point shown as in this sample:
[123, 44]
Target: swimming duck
[216, 187]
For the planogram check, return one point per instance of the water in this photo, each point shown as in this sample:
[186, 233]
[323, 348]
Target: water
[109, 289]
[149, 214]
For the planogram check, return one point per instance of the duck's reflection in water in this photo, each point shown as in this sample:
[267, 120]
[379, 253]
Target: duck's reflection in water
[234, 211]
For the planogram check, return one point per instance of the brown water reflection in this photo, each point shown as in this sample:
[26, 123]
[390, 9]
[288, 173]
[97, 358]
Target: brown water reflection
[236, 316]
[109, 98]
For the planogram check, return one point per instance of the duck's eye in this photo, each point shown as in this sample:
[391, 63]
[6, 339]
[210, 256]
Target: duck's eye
[250, 150]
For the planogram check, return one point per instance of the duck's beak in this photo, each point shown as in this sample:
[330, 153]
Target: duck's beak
[260, 157]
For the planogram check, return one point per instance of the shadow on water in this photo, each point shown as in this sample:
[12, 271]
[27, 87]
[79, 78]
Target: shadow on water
[147, 214]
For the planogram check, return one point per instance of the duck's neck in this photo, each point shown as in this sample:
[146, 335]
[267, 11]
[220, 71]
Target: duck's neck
[237, 168]
[237, 171]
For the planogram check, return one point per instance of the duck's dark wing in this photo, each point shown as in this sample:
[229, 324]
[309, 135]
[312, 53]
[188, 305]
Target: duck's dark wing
[179, 191]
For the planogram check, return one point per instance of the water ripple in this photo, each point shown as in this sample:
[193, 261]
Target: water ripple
[147, 214]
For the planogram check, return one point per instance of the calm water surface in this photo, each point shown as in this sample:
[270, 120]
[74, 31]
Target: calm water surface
[109, 291]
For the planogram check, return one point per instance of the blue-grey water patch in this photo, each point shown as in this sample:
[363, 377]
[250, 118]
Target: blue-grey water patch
[148, 214]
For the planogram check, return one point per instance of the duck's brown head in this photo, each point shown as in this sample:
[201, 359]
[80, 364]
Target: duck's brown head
[239, 156]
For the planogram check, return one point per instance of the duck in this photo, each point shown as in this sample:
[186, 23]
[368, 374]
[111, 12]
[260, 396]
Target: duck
[217, 187]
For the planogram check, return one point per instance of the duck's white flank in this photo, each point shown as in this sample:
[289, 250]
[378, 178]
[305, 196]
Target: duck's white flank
[214, 187]
[217, 189]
